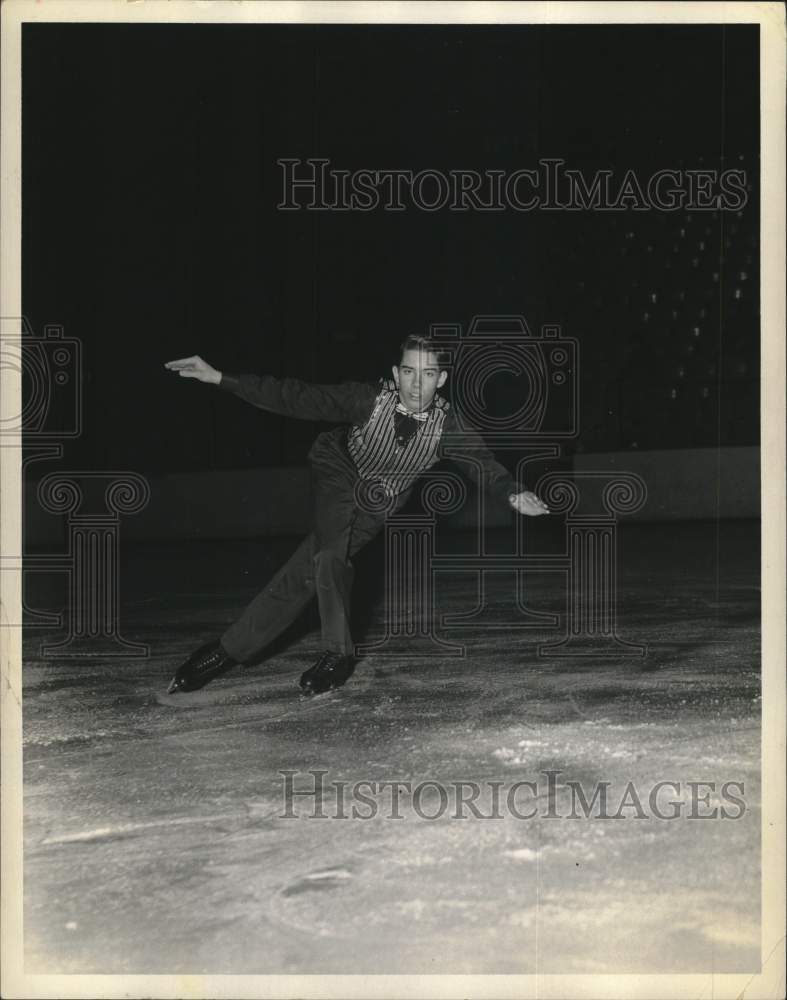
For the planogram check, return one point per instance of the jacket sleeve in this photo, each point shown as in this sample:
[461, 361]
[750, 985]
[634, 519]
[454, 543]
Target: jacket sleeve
[349, 402]
[472, 457]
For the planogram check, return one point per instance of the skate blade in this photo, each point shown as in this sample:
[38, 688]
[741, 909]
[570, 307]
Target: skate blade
[309, 694]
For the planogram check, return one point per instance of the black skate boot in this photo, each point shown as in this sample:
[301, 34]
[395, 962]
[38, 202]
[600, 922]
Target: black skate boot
[330, 671]
[202, 666]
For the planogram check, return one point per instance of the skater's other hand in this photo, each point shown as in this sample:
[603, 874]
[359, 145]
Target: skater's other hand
[194, 367]
[528, 503]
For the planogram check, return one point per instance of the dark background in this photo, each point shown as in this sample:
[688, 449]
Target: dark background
[150, 227]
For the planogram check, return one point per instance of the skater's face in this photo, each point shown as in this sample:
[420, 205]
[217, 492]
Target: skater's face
[417, 378]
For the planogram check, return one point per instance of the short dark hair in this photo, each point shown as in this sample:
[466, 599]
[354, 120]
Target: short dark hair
[423, 342]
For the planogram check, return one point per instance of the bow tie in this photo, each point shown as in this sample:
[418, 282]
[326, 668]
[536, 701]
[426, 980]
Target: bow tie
[401, 408]
[406, 423]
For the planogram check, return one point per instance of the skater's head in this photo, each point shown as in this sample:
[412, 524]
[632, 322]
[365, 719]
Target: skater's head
[421, 371]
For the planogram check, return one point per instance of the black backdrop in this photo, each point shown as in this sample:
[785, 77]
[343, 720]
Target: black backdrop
[150, 226]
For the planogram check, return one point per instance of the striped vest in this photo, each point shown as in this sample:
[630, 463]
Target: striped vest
[373, 448]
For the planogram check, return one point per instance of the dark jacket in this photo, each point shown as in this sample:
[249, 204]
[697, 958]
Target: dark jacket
[369, 441]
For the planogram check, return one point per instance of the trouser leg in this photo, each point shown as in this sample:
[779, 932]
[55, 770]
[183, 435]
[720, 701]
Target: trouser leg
[341, 530]
[320, 565]
[276, 607]
[334, 575]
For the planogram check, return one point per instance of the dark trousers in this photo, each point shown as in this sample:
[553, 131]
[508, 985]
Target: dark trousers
[321, 565]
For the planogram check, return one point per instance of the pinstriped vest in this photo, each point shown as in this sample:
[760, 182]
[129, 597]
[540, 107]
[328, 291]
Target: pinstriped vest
[373, 448]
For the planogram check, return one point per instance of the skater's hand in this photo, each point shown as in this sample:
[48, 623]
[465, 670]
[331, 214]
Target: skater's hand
[528, 503]
[194, 367]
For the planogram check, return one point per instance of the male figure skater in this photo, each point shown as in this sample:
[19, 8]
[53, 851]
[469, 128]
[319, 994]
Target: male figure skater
[394, 433]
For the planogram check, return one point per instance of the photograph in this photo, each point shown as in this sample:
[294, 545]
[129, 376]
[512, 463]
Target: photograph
[393, 539]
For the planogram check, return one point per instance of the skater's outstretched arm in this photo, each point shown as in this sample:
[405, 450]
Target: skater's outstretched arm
[484, 470]
[347, 402]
